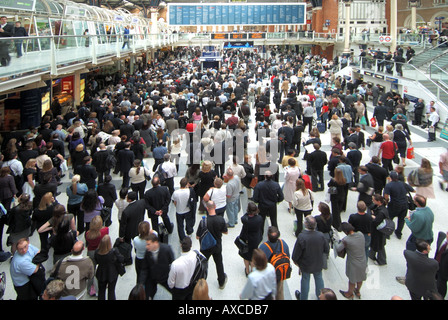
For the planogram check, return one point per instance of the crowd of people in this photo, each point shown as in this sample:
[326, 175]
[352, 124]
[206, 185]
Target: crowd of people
[170, 107]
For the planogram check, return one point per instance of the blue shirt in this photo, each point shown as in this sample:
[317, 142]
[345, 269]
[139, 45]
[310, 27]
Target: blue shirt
[140, 247]
[159, 152]
[22, 267]
[80, 192]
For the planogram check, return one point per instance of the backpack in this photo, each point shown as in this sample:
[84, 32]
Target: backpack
[206, 239]
[201, 269]
[111, 161]
[281, 263]
[162, 174]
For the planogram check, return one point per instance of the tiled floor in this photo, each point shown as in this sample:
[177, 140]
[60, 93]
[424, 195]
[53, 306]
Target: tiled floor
[380, 284]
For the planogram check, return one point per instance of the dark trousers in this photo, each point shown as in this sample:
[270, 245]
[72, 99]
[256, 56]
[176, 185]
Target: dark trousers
[300, 215]
[169, 182]
[336, 207]
[138, 267]
[308, 121]
[110, 286]
[399, 211]
[379, 256]
[139, 188]
[189, 219]
[216, 253]
[441, 284]
[126, 180]
[75, 209]
[417, 118]
[317, 179]
[25, 292]
[166, 221]
[387, 164]
[270, 212]
[151, 287]
[182, 294]
[102, 175]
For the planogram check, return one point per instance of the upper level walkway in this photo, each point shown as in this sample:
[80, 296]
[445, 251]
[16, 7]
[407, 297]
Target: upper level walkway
[47, 57]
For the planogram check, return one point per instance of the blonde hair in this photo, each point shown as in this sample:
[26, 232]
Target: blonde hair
[31, 163]
[45, 201]
[206, 166]
[105, 245]
[95, 228]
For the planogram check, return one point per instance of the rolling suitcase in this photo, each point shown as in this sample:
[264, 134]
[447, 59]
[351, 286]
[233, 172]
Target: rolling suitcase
[321, 127]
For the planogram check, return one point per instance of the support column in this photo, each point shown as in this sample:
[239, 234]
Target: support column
[393, 25]
[347, 26]
[76, 88]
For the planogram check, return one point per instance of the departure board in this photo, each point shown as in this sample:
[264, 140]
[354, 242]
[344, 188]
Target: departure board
[236, 14]
[27, 5]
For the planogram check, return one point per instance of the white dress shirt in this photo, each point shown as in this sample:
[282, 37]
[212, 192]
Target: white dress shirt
[182, 270]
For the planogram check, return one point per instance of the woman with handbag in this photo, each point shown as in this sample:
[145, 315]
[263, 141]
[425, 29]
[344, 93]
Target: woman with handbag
[91, 204]
[93, 238]
[401, 138]
[336, 191]
[378, 239]
[251, 234]
[302, 203]
[19, 221]
[138, 176]
[355, 266]
[109, 262]
[218, 195]
[421, 179]
[324, 222]
[292, 173]
[247, 180]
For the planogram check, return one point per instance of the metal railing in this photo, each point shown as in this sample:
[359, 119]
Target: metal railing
[43, 53]
[438, 74]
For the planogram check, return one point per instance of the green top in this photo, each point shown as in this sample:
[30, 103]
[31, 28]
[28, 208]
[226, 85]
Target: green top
[420, 223]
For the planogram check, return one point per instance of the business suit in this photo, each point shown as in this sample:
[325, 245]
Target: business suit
[155, 269]
[380, 113]
[267, 194]
[441, 256]
[131, 217]
[5, 58]
[379, 175]
[318, 159]
[158, 198]
[88, 175]
[363, 187]
[420, 274]
[125, 159]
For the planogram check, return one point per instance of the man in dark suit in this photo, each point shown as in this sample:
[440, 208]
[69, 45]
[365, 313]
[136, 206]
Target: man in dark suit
[127, 129]
[131, 217]
[352, 137]
[355, 156]
[157, 203]
[28, 153]
[285, 136]
[378, 173]
[100, 163]
[309, 254]
[6, 30]
[58, 145]
[267, 194]
[365, 186]
[418, 111]
[441, 256]
[155, 266]
[318, 159]
[125, 159]
[361, 140]
[375, 95]
[88, 173]
[380, 113]
[421, 272]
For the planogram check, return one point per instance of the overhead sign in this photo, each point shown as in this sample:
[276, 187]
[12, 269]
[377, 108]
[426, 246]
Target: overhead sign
[240, 44]
[220, 36]
[236, 14]
[259, 35]
[385, 39]
[238, 36]
[27, 5]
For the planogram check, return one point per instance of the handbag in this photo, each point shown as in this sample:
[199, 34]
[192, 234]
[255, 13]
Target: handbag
[410, 153]
[119, 265]
[411, 205]
[253, 182]
[242, 245]
[372, 122]
[387, 226]
[105, 215]
[333, 190]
